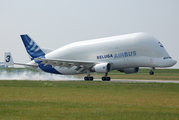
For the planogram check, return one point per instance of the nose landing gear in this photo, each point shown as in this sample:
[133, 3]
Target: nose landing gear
[151, 72]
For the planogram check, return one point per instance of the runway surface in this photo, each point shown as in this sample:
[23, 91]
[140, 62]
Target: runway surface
[113, 80]
[142, 81]
[128, 80]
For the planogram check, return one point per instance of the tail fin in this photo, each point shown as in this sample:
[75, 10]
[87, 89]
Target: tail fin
[8, 59]
[31, 47]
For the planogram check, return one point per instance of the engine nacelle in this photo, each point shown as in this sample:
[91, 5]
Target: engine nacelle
[102, 68]
[130, 70]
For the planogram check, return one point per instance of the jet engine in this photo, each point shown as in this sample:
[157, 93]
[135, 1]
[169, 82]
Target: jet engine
[102, 68]
[130, 70]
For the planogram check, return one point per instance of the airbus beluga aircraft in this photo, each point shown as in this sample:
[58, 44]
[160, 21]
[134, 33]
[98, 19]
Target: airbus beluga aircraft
[125, 53]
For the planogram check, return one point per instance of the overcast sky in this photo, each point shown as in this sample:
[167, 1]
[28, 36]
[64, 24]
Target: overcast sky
[54, 23]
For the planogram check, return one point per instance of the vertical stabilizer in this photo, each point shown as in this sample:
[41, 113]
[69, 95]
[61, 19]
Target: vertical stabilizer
[31, 47]
[8, 59]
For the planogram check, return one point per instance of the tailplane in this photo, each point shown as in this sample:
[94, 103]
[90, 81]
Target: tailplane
[8, 59]
[31, 47]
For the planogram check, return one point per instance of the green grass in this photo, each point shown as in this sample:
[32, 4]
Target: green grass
[88, 100]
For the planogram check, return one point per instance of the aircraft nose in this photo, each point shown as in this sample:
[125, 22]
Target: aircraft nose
[173, 62]
[165, 62]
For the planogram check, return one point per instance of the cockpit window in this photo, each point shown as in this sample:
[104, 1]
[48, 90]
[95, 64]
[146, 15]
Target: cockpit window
[160, 44]
[167, 58]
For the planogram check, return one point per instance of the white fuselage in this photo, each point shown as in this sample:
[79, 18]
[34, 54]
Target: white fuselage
[125, 51]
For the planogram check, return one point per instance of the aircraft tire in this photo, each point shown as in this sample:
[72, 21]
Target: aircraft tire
[103, 78]
[86, 78]
[106, 78]
[151, 73]
[90, 78]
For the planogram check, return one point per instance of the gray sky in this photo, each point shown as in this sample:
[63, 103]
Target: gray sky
[54, 23]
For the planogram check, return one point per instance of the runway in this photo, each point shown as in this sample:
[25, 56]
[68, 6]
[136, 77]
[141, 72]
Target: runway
[128, 81]
[142, 81]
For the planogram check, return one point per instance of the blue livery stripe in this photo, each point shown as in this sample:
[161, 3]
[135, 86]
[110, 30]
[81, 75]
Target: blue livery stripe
[34, 51]
[31, 47]
[47, 68]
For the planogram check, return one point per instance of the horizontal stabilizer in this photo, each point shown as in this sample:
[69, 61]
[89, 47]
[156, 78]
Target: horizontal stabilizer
[9, 61]
[29, 65]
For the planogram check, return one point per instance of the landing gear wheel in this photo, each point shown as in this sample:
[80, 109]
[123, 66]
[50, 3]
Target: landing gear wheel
[106, 78]
[86, 78]
[151, 73]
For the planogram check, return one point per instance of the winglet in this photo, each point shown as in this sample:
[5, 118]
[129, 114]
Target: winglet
[8, 59]
[31, 47]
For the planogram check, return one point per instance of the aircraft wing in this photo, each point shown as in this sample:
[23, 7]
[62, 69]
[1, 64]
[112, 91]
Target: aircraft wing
[81, 66]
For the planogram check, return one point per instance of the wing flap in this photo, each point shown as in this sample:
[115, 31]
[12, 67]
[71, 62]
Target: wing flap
[81, 66]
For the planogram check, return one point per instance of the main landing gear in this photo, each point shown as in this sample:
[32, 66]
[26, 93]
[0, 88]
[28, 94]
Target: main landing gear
[88, 77]
[151, 72]
[106, 78]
